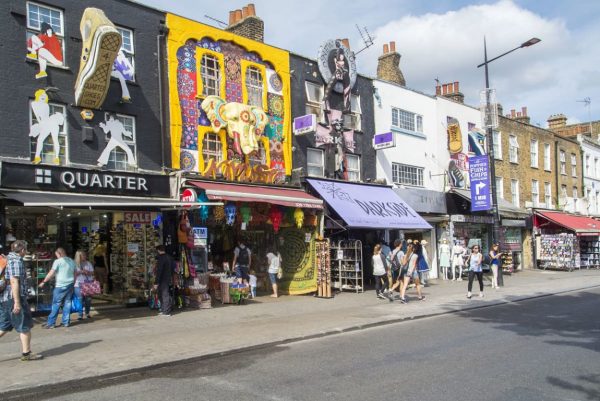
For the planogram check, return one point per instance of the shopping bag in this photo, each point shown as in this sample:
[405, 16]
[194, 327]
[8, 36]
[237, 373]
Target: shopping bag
[89, 288]
[76, 306]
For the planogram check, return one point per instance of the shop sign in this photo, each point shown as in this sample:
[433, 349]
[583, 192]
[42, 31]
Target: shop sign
[189, 195]
[384, 141]
[514, 223]
[479, 176]
[138, 217]
[232, 170]
[305, 124]
[65, 179]
[462, 218]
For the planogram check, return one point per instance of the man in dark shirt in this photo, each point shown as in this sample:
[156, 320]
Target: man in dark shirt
[164, 277]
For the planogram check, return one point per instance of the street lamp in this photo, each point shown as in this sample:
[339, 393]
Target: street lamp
[490, 139]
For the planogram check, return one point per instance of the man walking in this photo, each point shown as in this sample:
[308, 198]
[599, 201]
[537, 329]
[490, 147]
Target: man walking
[64, 270]
[242, 259]
[164, 277]
[14, 309]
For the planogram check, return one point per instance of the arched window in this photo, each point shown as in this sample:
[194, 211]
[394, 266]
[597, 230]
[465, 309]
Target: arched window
[211, 148]
[211, 75]
[254, 86]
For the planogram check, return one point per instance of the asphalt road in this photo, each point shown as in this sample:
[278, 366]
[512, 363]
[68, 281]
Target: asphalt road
[541, 349]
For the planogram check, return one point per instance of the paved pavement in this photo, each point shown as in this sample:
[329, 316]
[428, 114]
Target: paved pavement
[116, 342]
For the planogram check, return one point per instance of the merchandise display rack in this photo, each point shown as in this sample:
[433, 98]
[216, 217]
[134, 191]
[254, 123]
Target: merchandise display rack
[559, 251]
[590, 252]
[323, 255]
[41, 297]
[347, 266]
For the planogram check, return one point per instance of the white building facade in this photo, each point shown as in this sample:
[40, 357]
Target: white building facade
[590, 150]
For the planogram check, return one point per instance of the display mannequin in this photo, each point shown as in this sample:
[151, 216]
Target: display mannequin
[458, 252]
[444, 250]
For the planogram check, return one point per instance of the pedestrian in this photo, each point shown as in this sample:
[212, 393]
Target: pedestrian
[64, 269]
[396, 261]
[495, 256]
[15, 312]
[444, 251]
[380, 268]
[387, 254]
[252, 281]
[424, 264]
[242, 258]
[84, 273]
[400, 256]
[474, 262]
[458, 261]
[411, 272]
[164, 280]
[274, 259]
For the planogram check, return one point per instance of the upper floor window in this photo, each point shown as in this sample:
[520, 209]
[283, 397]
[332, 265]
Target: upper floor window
[127, 66]
[43, 146]
[535, 192]
[514, 191]
[353, 165]
[596, 167]
[406, 120]
[497, 145]
[573, 165]
[587, 165]
[123, 158]
[212, 148]
[45, 36]
[547, 158]
[575, 196]
[254, 87]
[407, 175]
[513, 149]
[315, 162]
[500, 187]
[563, 162]
[533, 151]
[353, 120]
[548, 194]
[314, 97]
[210, 71]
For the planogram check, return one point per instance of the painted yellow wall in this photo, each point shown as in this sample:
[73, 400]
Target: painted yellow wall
[180, 30]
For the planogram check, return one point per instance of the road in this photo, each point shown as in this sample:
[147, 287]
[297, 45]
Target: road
[541, 349]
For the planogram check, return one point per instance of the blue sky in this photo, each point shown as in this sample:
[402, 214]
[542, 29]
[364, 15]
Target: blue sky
[444, 39]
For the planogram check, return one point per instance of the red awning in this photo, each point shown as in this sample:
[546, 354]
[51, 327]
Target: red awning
[254, 193]
[580, 224]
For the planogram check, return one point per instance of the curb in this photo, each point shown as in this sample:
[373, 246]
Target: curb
[108, 379]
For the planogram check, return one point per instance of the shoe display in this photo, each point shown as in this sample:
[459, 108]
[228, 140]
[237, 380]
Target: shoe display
[454, 138]
[457, 177]
[100, 46]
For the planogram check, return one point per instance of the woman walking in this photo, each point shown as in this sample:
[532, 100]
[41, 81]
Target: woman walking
[495, 255]
[84, 272]
[412, 255]
[380, 273]
[474, 262]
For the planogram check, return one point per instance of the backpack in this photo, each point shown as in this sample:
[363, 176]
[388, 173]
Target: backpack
[243, 258]
[396, 264]
[3, 280]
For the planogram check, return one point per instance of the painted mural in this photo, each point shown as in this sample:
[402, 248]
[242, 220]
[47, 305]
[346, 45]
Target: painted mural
[46, 125]
[46, 48]
[230, 104]
[117, 131]
[458, 167]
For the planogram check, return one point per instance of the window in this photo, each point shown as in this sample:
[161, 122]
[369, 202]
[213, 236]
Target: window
[514, 191]
[128, 51]
[314, 97]
[596, 168]
[573, 165]
[575, 196]
[407, 175]
[497, 145]
[589, 198]
[563, 163]
[548, 195]
[535, 192]
[499, 187]
[315, 162]
[353, 163]
[117, 159]
[211, 75]
[353, 120]
[533, 151]
[587, 166]
[597, 201]
[406, 120]
[513, 149]
[547, 157]
[212, 148]
[47, 151]
[38, 16]
[254, 86]
[258, 157]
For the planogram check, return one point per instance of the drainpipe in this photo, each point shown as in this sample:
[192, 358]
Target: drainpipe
[557, 170]
[162, 101]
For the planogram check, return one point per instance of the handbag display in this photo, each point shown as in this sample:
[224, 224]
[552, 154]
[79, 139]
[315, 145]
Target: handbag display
[89, 288]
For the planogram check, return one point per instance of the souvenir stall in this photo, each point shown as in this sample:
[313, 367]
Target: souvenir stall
[511, 246]
[565, 241]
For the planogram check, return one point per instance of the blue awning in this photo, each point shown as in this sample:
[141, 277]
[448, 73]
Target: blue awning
[368, 206]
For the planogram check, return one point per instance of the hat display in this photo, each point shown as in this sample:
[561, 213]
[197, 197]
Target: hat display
[424, 242]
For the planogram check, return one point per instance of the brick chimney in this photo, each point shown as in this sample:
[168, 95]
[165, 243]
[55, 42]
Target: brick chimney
[557, 121]
[245, 23]
[388, 65]
[520, 116]
[450, 91]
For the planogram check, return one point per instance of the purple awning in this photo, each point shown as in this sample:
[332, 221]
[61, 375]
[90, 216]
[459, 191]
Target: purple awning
[368, 206]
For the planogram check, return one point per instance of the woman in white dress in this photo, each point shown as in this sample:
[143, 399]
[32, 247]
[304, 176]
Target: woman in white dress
[458, 261]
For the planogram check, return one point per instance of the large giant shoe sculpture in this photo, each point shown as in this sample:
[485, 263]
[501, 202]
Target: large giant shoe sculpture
[100, 45]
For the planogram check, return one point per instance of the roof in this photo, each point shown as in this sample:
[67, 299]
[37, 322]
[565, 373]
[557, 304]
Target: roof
[580, 224]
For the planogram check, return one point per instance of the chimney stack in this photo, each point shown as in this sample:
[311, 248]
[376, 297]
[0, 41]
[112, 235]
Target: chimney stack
[388, 65]
[451, 91]
[557, 121]
[245, 23]
[438, 90]
[520, 116]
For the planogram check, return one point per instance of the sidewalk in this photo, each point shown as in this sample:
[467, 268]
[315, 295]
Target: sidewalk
[123, 340]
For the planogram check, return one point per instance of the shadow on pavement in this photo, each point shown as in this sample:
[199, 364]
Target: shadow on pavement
[588, 385]
[63, 349]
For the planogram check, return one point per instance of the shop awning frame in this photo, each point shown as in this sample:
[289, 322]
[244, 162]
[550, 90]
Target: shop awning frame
[505, 208]
[580, 225]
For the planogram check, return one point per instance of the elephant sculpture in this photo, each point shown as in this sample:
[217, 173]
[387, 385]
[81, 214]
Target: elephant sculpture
[245, 124]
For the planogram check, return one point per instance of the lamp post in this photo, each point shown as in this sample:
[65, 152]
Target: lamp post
[490, 140]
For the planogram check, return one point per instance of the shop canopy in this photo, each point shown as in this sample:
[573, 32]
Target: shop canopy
[254, 193]
[368, 206]
[581, 225]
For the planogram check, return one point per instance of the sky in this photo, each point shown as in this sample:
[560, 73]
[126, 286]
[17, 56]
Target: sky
[443, 40]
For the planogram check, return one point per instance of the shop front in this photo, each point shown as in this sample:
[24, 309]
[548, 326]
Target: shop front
[565, 241]
[357, 218]
[266, 218]
[114, 217]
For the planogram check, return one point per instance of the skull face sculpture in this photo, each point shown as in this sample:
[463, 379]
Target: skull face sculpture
[230, 213]
[299, 217]
[245, 124]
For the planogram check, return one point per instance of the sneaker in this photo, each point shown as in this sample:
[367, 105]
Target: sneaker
[31, 357]
[454, 138]
[100, 45]
[41, 74]
[457, 177]
[88, 316]
[422, 298]
[481, 295]
[80, 318]
[469, 295]
[37, 160]
[45, 326]
[380, 296]
[32, 56]
[403, 300]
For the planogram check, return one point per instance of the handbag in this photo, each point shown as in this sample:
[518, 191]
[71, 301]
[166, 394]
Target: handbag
[88, 288]
[280, 273]
[76, 305]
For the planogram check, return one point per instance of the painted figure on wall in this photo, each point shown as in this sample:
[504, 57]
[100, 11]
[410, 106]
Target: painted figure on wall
[117, 131]
[45, 48]
[337, 66]
[337, 139]
[476, 140]
[46, 126]
[123, 71]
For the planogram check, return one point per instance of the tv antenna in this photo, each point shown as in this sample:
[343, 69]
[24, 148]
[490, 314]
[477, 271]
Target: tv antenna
[366, 38]
[218, 21]
[587, 102]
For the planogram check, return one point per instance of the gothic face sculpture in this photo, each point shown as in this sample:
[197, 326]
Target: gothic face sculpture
[245, 124]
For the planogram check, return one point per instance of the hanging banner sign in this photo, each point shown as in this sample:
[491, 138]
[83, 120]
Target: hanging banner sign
[384, 141]
[479, 174]
[305, 124]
